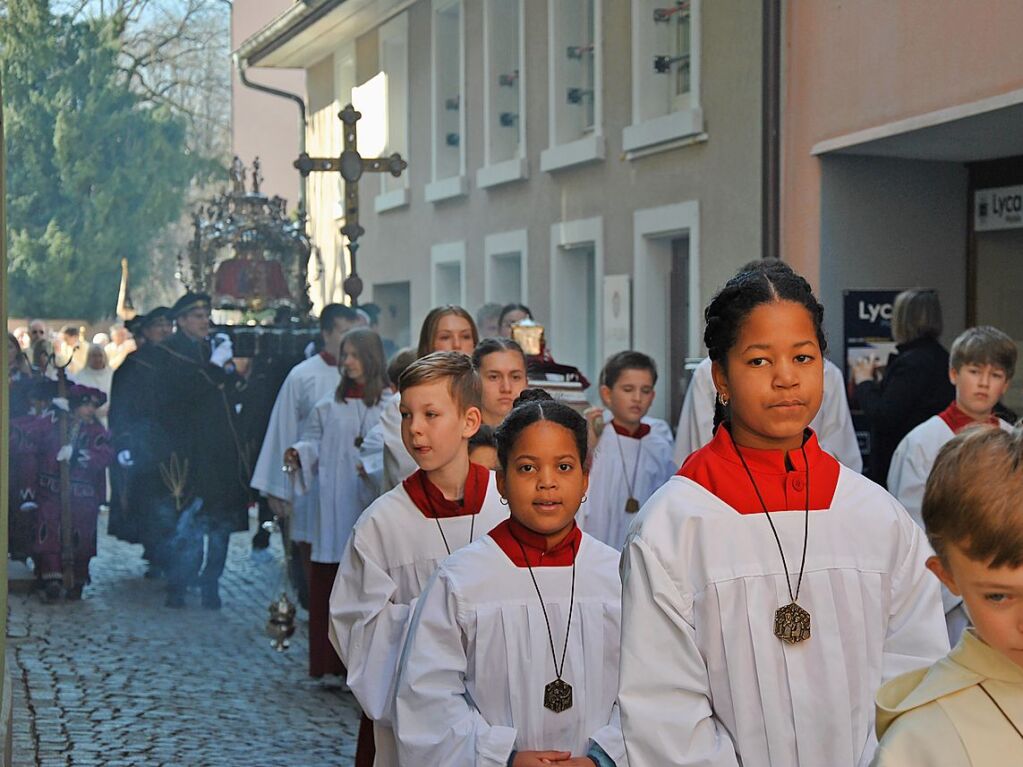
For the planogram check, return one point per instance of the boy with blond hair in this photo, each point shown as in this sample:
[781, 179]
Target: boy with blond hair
[981, 365]
[400, 539]
[967, 709]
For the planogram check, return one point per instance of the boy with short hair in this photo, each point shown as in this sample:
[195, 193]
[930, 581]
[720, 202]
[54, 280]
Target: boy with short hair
[401, 538]
[981, 366]
[967, 709]
[633, 456]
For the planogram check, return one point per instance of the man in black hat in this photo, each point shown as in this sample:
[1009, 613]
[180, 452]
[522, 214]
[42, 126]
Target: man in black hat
[206, 471]
[138, 439]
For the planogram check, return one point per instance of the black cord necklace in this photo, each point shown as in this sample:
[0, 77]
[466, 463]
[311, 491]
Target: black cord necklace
[436, 516]
[791, 622]
[632, 504]
[557, 695]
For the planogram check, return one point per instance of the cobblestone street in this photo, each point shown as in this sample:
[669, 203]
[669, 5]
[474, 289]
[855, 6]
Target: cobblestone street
[118, 679]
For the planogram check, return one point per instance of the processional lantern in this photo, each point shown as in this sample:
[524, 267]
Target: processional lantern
[351, 165]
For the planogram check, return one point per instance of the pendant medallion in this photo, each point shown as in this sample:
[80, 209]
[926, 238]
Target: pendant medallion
[359, 440]
[557, 696]
[792, 624]
[631, 506]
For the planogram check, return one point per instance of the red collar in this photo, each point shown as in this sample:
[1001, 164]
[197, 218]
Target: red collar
[352, 390]
[957, 420]
[432, 503]
[780, 478]
[510, 533]
[329, 358]
[621, 431]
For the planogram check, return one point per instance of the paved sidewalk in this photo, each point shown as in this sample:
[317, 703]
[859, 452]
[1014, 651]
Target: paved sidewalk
[117, 679]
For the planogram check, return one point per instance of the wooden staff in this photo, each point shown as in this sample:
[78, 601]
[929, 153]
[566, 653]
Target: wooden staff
[67, 551]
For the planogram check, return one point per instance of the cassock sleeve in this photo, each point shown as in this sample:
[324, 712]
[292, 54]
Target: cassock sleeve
[907, 476]
[308, 445]
[437, 723]
[372, 454]
[696, 421]
[664, 688]
[367, 627]
[280, 432]
[837, 435]
[917, 635]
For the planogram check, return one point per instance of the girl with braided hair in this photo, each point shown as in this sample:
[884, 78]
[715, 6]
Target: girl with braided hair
[768, 591]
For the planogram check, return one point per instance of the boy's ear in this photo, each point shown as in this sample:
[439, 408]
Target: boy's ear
[936, 566]
[605, 395]
[953, 375]
[473, 420]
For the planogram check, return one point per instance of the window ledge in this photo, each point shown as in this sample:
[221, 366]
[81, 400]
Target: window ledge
[447, 188]
[665, 130]
[586, 149]
[514, 169]
[396, 198]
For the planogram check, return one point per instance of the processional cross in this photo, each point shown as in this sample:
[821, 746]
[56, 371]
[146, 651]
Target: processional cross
[351, 165]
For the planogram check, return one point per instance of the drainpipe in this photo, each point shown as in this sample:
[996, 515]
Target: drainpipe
[771, 130]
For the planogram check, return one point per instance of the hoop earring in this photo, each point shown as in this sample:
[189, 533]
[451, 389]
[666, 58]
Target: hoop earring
[504, 501]
[583, 500]
[723, 399]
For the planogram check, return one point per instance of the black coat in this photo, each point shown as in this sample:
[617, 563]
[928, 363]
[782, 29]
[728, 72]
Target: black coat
[915, 387]
[206, 456]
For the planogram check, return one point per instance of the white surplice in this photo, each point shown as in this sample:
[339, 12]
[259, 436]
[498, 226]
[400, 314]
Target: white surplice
[384, 455]
[330, 457]
[624, 467]
[307, 383]
[907, 477]
[832, 424]
[478, 656]
[704, 680]
[391, 554]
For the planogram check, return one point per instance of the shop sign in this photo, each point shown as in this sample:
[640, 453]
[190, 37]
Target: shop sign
[1000, 208]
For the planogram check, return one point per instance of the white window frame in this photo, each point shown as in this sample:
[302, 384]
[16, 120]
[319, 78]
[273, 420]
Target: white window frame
[564, 236]
[503, 244]
[587, 148]
[450, 186]
[516, 168]
[677, 126]
[395, 31]
[445, 254]
[653, 229]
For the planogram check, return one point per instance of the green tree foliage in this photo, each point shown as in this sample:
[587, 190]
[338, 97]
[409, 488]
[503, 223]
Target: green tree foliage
[93, 173]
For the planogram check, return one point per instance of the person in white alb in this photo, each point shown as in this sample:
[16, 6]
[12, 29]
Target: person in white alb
[981, 366]
[768, 591]
[400, 539]
[512, 657]
[832, 424]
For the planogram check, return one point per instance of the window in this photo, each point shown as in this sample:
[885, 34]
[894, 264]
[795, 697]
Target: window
[448, 107]
[447, 274]
[504, 113]
[505, 265]
[394, 301]
[577, 269]
[665, 73]
[575, 80]
[393, 57]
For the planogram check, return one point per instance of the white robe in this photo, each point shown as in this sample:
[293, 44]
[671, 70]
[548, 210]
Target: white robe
[907, 477]
[329, 458]
[307, 383]
[832, 424]
[704, 680]
[384, 455]
[391, 554]
[648, 463]
[478, 656]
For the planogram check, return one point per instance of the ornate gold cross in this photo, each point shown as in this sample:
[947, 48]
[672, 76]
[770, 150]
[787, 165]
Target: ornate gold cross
[351, 165]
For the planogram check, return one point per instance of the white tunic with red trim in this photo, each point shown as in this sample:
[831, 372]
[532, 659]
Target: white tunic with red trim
[394, 548]
[384, 455]
[307, 383]
[704, 680]
[833, 422]
[624, 466]
[478, 656]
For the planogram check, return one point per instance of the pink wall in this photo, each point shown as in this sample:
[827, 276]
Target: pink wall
[855, 65]
[262, 125]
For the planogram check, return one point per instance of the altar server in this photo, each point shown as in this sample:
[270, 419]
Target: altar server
[401, 538]
[768, 591]
[632, 458]
[832, 424]
[512, 657]
[327, 454]
[307, 383]
[501, 365]
[981, 366]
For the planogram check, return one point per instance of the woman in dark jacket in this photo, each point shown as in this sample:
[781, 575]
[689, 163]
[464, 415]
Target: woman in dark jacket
[915, 385]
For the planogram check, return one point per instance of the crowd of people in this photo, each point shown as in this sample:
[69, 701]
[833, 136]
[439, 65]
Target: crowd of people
[501, 579]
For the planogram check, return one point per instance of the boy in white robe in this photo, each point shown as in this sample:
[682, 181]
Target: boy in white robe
[631, 459]
[981, 366]
[768, 590]
[400, 539]
[530, 611]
